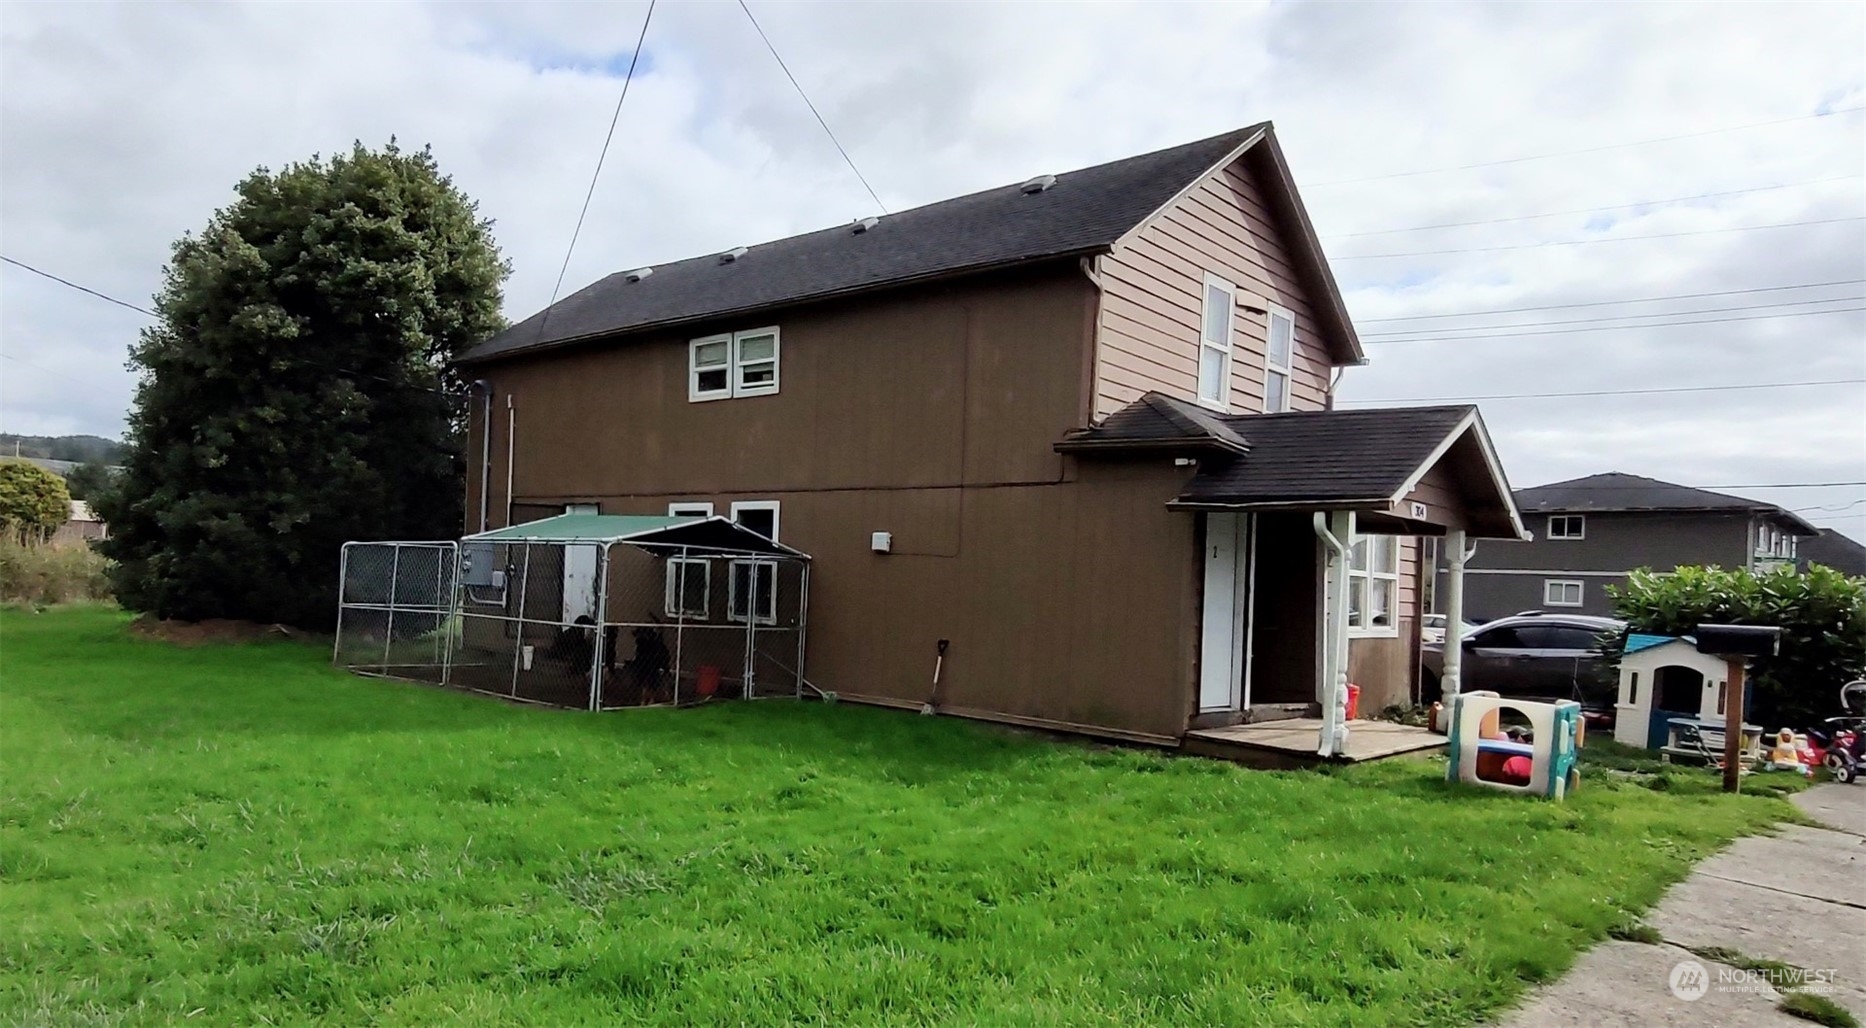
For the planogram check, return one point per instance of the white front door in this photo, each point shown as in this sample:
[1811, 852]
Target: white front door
[1221, 644]
[580, 572]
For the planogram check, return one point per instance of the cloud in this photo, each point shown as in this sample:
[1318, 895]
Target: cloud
[123, 127]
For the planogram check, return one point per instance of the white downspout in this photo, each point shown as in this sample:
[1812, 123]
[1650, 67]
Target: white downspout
[1334, 735]
[1448, 681]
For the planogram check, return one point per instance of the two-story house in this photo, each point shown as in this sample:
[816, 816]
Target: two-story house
[1590, 532]
[1089, 413]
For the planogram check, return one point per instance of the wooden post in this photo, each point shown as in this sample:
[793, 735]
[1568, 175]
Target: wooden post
[1733, 724]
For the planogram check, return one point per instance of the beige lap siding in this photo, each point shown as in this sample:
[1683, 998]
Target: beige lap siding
[1152, 292]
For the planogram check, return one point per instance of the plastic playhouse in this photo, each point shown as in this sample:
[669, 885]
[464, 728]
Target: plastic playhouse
[1538, 758]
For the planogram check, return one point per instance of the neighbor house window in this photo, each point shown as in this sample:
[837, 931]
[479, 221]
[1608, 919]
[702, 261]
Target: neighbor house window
[689, 510]
[1373, 584]
[733, 364]
[1282, 344]
[752, 590]
[1567, 526]
[1215, 344]
[1559, 592]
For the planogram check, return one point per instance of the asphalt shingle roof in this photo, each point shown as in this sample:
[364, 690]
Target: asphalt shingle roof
[1324, 455]
[1616, 491]
[1086, 211]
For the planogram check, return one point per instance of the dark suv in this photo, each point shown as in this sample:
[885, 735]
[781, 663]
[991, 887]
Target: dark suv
[1535, 656]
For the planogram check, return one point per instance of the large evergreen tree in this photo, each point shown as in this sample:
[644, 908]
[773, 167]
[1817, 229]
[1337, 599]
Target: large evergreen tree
[296, 392]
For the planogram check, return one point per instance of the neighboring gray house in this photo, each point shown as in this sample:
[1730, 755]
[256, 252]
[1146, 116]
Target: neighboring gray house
[1589, 532]
[1837, 551]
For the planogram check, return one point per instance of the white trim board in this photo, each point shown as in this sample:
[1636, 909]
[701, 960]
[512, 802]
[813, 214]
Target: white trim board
[1545, 572]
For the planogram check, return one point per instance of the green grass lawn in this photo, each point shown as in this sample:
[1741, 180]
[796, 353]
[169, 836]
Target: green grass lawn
[239, 834]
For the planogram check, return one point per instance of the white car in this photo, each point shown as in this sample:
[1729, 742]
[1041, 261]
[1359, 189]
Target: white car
[1432, 628]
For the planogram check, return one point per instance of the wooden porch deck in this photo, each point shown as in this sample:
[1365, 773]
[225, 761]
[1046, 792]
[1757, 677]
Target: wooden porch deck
[1290, 743]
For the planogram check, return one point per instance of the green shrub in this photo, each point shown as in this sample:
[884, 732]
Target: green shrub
[33, 501]
[40, 573]
[1822, 614]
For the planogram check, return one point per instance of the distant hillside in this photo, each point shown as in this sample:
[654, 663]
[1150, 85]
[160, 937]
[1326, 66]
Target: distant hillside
[78, 448]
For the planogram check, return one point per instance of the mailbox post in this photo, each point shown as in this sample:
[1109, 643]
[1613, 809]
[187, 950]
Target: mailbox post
[1736, 644]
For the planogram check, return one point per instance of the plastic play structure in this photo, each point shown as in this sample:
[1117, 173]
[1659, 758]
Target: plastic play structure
[1538, 759]
[1664, 678]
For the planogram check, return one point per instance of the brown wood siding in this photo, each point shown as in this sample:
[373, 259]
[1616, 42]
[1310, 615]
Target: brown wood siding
[1148, 336]
[1068, 591]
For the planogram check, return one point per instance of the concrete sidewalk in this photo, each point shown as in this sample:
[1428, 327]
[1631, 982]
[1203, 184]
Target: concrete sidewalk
[1798, 897]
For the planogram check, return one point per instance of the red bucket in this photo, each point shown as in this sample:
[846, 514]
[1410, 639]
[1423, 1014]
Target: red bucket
[1354, 701]
[708, 679]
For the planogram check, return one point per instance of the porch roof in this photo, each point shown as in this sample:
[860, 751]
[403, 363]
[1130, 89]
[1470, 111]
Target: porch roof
[1364, 460]
[713, 534]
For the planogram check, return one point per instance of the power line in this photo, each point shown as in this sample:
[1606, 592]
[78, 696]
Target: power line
[1737, 485]
[1602, 239]
[1844, 506]
[1610, 303]
[819, 117]
[1616, 317]
[43, 368]
[1614, 392]
[594, 175]
[1610, 328]
[79, 288]
[1590, 149]
[1593, 210]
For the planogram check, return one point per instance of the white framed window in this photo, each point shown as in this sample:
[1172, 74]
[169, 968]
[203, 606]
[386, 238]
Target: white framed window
[1220, 301]
[709, 368]
[1277, 357]
[733, 364]
[755, 362]
[1562, 592]
[689, 510]
[1373, 585]
[1567, 526]
[751, 592]
[689, 587]
[760, 516]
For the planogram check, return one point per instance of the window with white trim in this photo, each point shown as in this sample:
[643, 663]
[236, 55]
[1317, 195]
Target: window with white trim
[733, 364]
[1567, 526]
[1215, 344]
[689, 587]
[752, 591]
[1373, 585]
[689, 580]
[760, 516]
[1562, 592]
[1278, 352]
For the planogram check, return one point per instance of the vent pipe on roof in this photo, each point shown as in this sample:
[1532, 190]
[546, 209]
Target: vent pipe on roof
[1039, 184]
[638, 274]
[864, 224]
[732, 255]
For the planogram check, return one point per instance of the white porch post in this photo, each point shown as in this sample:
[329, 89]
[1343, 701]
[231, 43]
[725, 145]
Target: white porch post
[1456, 549]
[1336, 531]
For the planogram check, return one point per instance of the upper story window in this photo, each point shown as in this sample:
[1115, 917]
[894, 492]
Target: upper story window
[733, 364]
[1567, 526]
[1215, 344]
[1281, 344]
[1373, 585]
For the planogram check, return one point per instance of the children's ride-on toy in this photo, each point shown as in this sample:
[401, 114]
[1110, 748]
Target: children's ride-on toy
[1844, 738]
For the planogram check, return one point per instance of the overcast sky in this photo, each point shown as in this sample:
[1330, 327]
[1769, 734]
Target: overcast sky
[122, 127]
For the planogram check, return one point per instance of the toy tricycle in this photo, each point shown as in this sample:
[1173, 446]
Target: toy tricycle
[1844, 738]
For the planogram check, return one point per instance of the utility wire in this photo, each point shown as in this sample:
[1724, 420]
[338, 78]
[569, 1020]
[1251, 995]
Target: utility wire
[1613, 317]
[79, 288]
[1844, 506]
[1608, 328]
[819, 117]
[1590, 149]
[1610, 303]
[1592, 210]
[149, 313]
[1614, 392]
[44, 369]
[594, 175]
[1602, 239]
